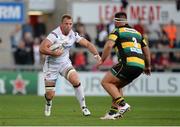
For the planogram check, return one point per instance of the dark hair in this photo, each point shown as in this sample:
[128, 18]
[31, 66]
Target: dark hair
[120, 15]
[65, 16]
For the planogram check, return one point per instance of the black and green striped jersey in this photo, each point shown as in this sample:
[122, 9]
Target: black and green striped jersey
[128, 44]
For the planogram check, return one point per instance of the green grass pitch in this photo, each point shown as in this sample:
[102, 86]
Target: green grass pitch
[29, 111]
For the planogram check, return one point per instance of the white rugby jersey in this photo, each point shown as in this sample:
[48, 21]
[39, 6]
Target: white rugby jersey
[56, 36]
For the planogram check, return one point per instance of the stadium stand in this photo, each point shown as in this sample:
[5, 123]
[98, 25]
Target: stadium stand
[18, 52]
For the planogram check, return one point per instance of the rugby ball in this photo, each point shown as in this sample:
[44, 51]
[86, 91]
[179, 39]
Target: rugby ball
[55, 46]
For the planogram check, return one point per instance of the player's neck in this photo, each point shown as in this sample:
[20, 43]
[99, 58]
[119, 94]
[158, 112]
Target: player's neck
[63, 32]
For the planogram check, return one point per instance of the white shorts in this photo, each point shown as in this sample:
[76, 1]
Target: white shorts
[51, 70]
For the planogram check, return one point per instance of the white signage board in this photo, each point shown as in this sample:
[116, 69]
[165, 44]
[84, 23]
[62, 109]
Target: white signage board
[159, 12]
[158, 84]
[41, 5]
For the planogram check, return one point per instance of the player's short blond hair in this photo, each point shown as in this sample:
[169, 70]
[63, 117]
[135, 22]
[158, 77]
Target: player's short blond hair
[65, 16]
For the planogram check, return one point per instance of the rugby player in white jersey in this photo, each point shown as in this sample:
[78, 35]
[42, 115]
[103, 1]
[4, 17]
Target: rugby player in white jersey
[58, 62]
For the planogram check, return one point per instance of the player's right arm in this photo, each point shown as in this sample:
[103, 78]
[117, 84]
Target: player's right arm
[108, 46]
[107, 49]
[44, 49]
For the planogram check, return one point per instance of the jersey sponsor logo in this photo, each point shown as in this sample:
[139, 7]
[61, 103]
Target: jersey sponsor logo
[65, 47]
[130, 30]
[139, 51]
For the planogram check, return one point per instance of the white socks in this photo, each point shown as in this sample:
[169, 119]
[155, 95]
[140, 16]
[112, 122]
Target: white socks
[79, 92]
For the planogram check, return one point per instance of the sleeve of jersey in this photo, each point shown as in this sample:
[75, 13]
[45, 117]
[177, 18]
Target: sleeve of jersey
[52, 37]
[77, 37]
[113, 36]
[143, 43]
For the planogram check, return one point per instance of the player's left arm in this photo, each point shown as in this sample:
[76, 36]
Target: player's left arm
[85, 43]
[146, 52]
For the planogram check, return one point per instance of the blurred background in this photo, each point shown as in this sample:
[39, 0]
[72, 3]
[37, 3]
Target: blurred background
[25, 23]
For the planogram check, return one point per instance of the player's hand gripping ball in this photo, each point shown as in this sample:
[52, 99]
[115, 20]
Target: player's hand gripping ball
[55, 46]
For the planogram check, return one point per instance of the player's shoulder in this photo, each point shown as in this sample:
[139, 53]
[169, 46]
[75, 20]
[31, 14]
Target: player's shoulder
[127, 28]
[74, 34]
[55, 32]
[115, 31]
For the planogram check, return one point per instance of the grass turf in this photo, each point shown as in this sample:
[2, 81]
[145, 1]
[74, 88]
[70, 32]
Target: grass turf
[146, 111]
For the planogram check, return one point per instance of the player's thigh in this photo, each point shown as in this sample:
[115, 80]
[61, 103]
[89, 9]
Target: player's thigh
[50, 76]
[117, 75]
[50, 71]
[70, 73]
[125, 74]
[110, 78]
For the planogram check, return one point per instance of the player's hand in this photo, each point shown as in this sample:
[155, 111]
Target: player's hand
[147, 70]
[99, 64]
[57, 52]
[97, 58]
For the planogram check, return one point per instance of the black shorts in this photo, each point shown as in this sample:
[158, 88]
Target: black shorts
[127, 73]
